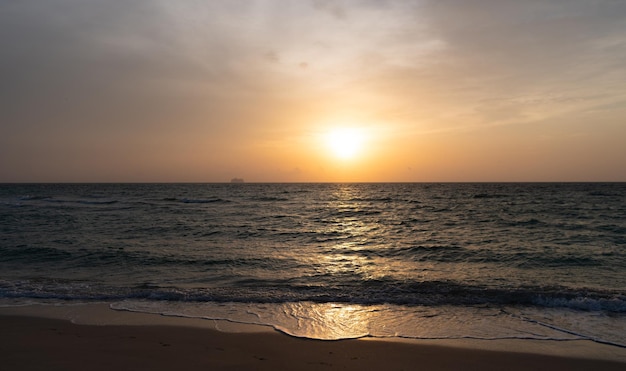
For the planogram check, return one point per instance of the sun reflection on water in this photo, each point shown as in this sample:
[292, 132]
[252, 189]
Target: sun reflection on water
[326, 320]
[352, 233]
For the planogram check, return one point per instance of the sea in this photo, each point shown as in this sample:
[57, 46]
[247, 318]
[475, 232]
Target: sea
[542, 261]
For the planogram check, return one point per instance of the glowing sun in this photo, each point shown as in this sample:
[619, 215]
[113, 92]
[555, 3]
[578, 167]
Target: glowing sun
[345, 143]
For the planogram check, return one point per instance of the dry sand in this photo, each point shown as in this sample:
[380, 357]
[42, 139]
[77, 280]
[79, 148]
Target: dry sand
[35, 343]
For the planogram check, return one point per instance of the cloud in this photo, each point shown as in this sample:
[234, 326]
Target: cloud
[272, 56]
[334, 8]
[562, 52]
[464, 53]
[143, 73]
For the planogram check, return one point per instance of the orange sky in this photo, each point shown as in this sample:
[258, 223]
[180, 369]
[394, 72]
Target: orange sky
[193, 91]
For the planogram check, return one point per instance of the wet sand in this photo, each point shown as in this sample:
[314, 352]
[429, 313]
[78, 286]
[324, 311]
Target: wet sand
[36, 343]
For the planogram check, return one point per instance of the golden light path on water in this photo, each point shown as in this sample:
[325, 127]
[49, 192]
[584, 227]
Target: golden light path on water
[330, 321]
[350, 238]
[359, 237]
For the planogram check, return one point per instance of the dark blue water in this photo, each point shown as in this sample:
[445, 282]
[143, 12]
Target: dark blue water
[389, 255]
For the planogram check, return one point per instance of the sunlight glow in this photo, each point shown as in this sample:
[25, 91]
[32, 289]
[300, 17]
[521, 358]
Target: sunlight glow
[345, 143]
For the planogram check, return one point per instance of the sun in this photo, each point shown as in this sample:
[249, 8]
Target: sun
[344, 143]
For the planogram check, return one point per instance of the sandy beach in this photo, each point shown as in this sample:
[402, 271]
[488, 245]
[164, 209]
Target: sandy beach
[29, 342]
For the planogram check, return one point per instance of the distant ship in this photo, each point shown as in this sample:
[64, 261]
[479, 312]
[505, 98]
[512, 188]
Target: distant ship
[236, 180]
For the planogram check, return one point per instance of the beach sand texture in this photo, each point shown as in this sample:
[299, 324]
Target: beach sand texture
[32, 343]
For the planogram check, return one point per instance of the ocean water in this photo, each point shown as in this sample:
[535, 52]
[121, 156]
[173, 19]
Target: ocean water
[330, 261]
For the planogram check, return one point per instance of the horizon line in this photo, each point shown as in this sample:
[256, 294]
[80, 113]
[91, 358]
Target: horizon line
[322, 182]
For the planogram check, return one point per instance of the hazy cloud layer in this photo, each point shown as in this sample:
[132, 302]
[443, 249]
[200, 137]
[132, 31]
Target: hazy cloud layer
[194, 90]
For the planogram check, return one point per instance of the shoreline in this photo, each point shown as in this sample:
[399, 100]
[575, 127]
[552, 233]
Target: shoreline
[69, 336]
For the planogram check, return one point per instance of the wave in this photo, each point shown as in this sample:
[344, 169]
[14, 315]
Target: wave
[489, 195]
[332, 321]
[33, 254]
[90, 200]
[107, 202]
[63, 253]
[458, 254]
[373, 292]
[87, 258]
[270, 199]
[202, 201]
[33, 198]
[373, 199]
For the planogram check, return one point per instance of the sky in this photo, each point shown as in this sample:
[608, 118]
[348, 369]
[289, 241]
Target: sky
[312, 91]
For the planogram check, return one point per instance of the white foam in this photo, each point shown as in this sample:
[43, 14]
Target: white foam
[332, 321]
